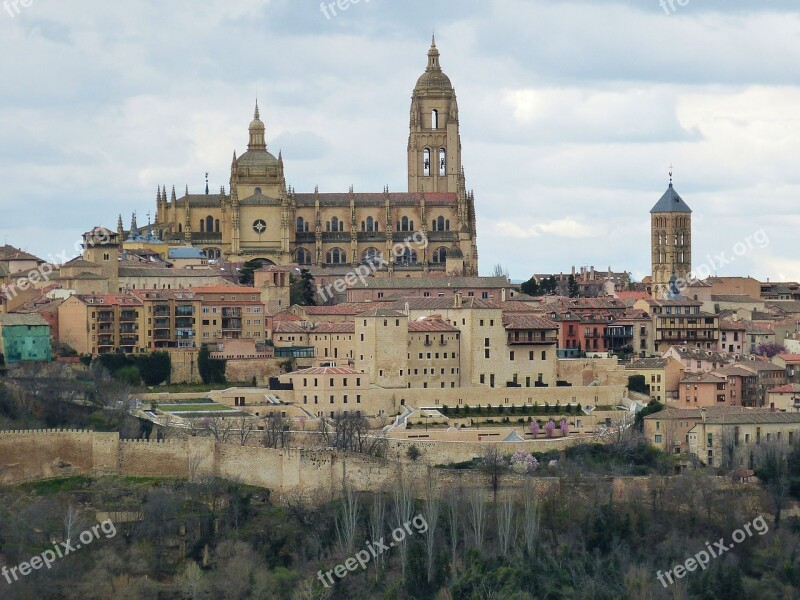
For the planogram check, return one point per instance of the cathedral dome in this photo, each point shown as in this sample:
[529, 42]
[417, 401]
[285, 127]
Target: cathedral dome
[434, 79]
[257, 158]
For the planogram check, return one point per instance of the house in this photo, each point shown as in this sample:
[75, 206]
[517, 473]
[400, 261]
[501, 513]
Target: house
[24, 338]
[785, 398]
[661, 374]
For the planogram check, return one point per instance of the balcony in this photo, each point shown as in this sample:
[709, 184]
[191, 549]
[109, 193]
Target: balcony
[231, 312]
[530, 339]
[161, 311]
[231, 324]
[162, 335]
[128, 316]
[184, 322]
[128, 328]
[184, 311]
[105, 317]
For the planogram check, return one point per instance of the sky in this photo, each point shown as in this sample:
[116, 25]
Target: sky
[571, 114]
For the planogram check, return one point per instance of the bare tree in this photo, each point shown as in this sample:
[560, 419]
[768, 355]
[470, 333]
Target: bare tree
[377, 526]
[277, 432]
[347, 519]
[245, 428]
[530, 518]
[191, 582]
[453, 511]
[351, 432]
[219, 427]
[73, 521]
[403, 501]
[432, 518]
[506, 531]
[476, 515]
[494, 465]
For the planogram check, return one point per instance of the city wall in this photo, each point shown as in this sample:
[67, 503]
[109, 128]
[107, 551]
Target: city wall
[313, 475]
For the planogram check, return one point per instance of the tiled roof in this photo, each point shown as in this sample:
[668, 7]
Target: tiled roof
[417, 303]
[8, 252]
[225, 289]
[390, 283]
[790, 358]
[110, 299]
[754, 417]
[345, 327]
[527, 322]
[702, 378]
[694, 413]
[734, 370]
[130, 271]
[328, 371]
[648, 363]
[382, 312]
[792, 388]
[376, 199]
[431, 325]
[734, 298]
[22, 320]
[760, 365]
[671, 202]
[347, 308]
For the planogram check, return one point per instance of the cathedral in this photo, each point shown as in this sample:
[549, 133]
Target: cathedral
[260, 218]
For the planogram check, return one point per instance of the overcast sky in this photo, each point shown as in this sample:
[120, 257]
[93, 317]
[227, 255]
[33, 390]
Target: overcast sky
[571, 113]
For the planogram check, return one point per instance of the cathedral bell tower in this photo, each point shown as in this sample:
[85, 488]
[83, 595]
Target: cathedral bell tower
[434, 143]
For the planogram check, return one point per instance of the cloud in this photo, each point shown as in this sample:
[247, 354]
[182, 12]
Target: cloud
[568, 227]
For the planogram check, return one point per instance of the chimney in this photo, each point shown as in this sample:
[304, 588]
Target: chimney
[703, 414]
[458, 301]
[503, 295]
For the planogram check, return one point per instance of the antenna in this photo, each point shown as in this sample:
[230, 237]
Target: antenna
[670, 173]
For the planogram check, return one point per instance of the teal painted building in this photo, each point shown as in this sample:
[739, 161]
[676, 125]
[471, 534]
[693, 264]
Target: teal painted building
[24, 337]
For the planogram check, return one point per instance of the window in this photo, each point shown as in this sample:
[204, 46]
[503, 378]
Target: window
[302, 225]
[658, 439]
[426, 162]
[442, 162]
[434, 119]
[303, 256]
[337, 256]
[440, 255]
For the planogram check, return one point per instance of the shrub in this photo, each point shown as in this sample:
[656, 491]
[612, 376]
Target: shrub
[413, 452]
[129, 375]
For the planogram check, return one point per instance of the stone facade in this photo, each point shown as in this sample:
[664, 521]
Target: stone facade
[262, 218]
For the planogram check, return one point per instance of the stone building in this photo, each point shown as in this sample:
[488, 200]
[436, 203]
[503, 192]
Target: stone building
[670, 243]
[260, 217]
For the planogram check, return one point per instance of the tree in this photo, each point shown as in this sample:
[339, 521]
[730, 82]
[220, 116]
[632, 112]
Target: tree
[301, 289]
[432, 519]
[564, 427]
[154, 368]
[494, 465]
[572, 286]
[211, 370]
[246, 273]
[500, 271]
[638, 383]
[770, 350]
[550, 427]
[277, 432]
[531, 287]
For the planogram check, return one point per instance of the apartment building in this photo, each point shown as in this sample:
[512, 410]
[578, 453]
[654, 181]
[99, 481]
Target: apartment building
[230, 313]
[171, 318]
[661, 374]
[103, 323]
[434, 354]
[680, 321]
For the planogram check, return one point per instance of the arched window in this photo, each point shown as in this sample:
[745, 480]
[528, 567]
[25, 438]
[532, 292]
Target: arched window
[407, 257]
[209, 224]
[447, 225]
[440, 255]
[216, 225]
[337, 256]
[302, 226]
[439, 224]
[426, 162]
[410, 226]
[202, 225]
[435, 119]
[334, 225]
[370, 255]
[257, 191]
[303, 256]
[442, 162]
[370, 224]
[180, 227]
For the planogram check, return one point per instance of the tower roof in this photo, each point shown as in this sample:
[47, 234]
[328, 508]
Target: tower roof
[433, 79]
[671, 202]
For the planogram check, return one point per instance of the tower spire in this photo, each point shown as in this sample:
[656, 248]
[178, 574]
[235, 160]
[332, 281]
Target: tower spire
[670, 175]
